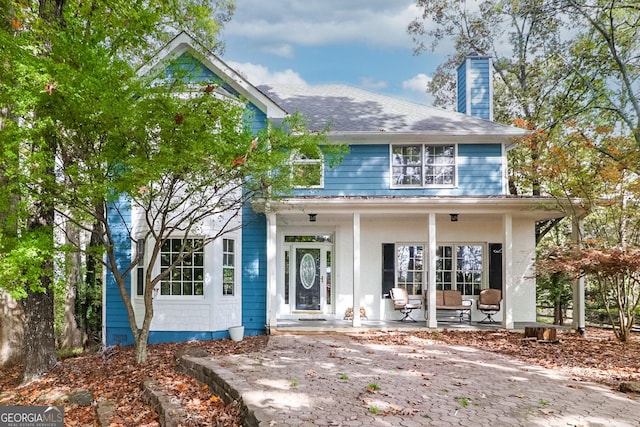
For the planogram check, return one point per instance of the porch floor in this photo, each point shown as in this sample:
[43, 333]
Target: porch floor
[339, 325]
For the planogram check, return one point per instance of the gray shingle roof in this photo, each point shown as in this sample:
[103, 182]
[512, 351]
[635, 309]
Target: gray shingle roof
[347, 109]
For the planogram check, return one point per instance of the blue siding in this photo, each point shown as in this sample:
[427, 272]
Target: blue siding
[462, 88]
[480, 170]
[190, 69]
[477, 70]
[365, 171]
[254, 118]
[480, 75]
[116, 321]
[254, 272]
[254, 276]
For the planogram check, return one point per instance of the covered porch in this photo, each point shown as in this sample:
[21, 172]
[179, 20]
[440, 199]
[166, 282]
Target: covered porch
[354, 231]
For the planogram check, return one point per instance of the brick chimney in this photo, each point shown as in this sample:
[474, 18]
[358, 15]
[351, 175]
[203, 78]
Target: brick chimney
[475, 86]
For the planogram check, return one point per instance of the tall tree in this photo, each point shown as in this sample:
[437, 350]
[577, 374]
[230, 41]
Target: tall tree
[531, 85]
[605, 56]
[38, 53]
[572, 77]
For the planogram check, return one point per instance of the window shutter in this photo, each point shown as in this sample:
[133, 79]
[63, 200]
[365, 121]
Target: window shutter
[495, 266]
[388, 268]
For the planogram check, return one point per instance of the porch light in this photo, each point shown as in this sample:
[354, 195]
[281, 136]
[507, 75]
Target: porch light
[312, 217]
[454, 217]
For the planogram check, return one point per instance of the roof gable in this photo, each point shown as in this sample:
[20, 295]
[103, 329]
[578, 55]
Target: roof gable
[184, 53]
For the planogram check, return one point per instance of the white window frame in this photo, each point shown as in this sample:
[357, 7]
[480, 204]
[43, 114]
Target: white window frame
[226, 266]
[300, 160]
[413, 283]
[484, 274]
[423, 166]
[182, 295]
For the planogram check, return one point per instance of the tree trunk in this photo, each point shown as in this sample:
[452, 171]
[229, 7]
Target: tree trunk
[558, 313]
[11, 312]
[89, 300]
[11, 330]
[39, 340]
[72, 335]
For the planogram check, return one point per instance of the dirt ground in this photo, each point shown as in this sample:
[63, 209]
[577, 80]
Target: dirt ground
[115, 376]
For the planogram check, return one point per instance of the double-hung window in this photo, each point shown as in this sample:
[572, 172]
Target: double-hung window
[228, 267]
[185, 259]
[307, 170]
[423, 165]
[410, 268]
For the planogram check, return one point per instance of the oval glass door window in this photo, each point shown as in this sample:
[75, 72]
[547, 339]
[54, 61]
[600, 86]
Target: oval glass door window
[307, 271]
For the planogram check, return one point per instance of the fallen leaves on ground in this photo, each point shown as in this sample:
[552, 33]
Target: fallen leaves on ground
[596, 357]
[119, 379]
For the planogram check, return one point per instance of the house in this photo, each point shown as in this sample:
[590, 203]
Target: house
[420, 201]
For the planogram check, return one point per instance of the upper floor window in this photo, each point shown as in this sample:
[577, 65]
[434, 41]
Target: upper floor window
[308, 170]
[423, 165]
[187, 258]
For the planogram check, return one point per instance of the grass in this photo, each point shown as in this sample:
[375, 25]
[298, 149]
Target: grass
[373, 387]
[344, 377]
[294, 383]
[465, 401]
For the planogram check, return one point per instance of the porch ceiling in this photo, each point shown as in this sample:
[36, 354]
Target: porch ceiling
[533, 208]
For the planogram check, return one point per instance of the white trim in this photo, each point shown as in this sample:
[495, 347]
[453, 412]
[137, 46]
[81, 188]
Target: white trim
[578, 284]
[183, 42]
[296, 161]
[476, 136]
[272, 271]
[423, 167]
[467, 79]
[432, 321]
[505, 169]
[537, 208]
[508, 287]
[454, 245]
[490, 88]
[357, 322]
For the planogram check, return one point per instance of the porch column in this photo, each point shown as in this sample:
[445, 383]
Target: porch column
[272, 303]
[432, 321]
[508, 278]
[578, 316]
[356, 271]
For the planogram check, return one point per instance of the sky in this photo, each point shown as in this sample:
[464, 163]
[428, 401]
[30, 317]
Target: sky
[361, 43]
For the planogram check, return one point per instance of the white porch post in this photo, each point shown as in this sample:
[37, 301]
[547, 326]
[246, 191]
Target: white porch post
[432, 321]
[272, 268]
[507, 279]
[357, 322]
[578, 322]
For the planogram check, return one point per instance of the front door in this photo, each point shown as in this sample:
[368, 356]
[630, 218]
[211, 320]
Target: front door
[311, 278]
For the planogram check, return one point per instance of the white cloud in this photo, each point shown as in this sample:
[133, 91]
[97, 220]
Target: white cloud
[283, 50]
[417, 83]
[381, 23]
[370, 83]
[259, 74]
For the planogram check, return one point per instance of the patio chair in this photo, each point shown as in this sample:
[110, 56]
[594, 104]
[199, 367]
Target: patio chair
[489, 304]
[403, 304]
